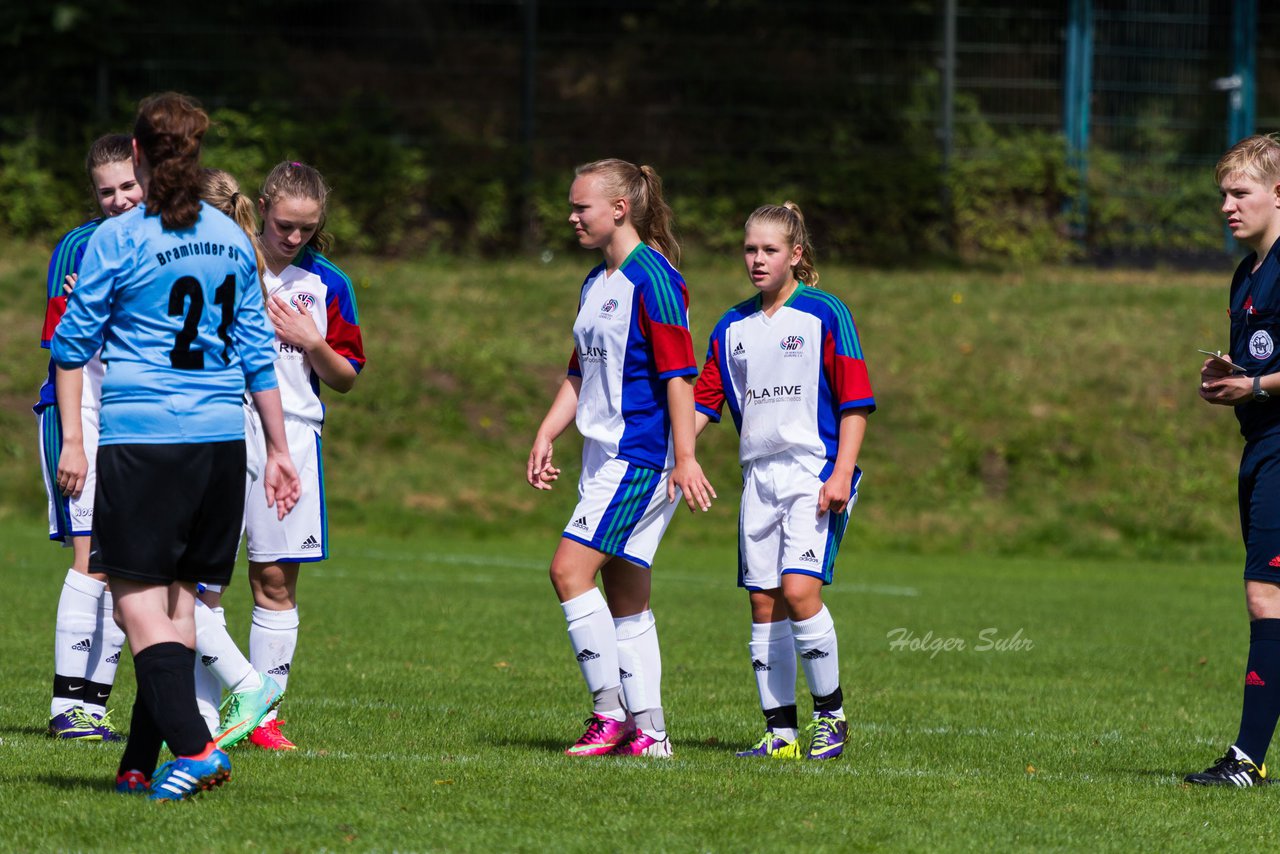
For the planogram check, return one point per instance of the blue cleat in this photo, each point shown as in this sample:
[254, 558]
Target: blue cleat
[186, 776]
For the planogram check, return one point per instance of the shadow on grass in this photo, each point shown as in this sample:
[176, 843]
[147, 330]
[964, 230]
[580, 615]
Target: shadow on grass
[65, 782]
[23, 730]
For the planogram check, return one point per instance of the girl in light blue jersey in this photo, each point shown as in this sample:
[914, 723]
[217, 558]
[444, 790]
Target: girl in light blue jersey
[168, 291]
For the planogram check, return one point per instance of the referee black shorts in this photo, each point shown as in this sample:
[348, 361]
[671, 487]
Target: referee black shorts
[166, 513]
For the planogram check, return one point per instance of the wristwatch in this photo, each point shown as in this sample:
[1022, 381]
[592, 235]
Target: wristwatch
[1260, 394]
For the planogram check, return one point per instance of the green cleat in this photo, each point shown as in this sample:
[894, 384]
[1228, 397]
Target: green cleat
[244, 711]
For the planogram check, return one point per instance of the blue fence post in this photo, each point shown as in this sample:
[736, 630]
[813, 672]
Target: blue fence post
[1241, 85]
[1076, 91]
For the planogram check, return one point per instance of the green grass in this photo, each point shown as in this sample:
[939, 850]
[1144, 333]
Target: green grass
[434, 690]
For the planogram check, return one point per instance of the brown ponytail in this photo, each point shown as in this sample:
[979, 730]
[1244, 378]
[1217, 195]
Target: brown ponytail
[642, 188]
[788, 219]
[168, 131]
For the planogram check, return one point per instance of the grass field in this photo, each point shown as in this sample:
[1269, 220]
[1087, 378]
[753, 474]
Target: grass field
[1039, 473]
[434, 690]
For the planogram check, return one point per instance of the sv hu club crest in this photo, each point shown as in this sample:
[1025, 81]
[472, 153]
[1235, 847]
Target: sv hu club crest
[302, 302]
[792, 343]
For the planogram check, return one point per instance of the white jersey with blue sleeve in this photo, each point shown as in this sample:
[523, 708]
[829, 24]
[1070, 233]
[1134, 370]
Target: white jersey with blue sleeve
[786, 378]
[181, 323]
[632, 336]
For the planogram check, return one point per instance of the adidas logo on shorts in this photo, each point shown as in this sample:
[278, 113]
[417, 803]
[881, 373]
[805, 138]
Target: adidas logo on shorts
[84, 645]
[580, 523]
[114, 659]
[809, 557]
[282, 670]
[310, 543]
[622, 674]
[813, 655]
[760, 667]
[206, 660]
[588, 655]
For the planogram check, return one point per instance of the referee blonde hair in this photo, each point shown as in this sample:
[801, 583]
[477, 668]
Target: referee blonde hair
[788, 218]
[1256, 158]
[648, 210]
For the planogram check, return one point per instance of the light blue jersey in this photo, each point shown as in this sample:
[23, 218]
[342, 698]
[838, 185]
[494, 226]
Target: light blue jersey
[181, 323]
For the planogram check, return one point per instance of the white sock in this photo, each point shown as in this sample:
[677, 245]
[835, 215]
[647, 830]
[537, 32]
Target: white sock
[104, 658]
[217, 653]
[208, 695]
[773, 657]
[640, 669]
[73, 632]
[273, 638]
[815, 643]
[595, 645]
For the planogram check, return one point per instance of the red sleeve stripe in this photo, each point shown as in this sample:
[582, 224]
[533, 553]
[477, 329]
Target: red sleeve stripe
[709, 392]
[53, 312]
[345, 338]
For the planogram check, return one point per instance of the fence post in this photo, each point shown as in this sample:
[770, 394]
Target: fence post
[1076, 91]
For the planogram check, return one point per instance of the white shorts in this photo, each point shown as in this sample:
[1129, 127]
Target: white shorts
[303, 535]
[68, 517]
[622, 509]
[779, 529]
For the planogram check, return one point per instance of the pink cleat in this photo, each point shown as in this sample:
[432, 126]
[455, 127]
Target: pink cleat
[642, 743]
[603, 735]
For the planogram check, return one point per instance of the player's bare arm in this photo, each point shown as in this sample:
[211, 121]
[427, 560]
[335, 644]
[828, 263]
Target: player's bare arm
[540, 473]
[834, 495]
[687, 475]
[73, 465]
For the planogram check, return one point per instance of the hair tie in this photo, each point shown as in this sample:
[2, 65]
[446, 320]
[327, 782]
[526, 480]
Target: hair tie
[234, 196]
[295, 163]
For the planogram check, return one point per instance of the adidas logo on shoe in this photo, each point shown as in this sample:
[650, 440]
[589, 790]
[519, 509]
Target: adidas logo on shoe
[114, 659]
[206, 660]
[1254, 679]
[809, 557]
[739, 350]
[282, 670]
[588, 655]
[813, 655]
[310, 543]
[84, 645]
[580, 523]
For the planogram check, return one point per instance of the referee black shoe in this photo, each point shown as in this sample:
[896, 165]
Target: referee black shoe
[1233, 769]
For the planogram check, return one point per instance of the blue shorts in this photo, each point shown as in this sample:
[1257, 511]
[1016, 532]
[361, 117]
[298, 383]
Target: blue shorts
[1259, 490]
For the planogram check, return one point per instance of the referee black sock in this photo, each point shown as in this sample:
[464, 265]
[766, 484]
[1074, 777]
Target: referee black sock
[1261, 690]
[167, 684]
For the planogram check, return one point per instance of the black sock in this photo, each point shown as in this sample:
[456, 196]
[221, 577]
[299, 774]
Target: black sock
[98, 692]
[1261, 690]
[142, 750]
[829, 703]
[783, 717]
[167, 684]
[66, 688]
